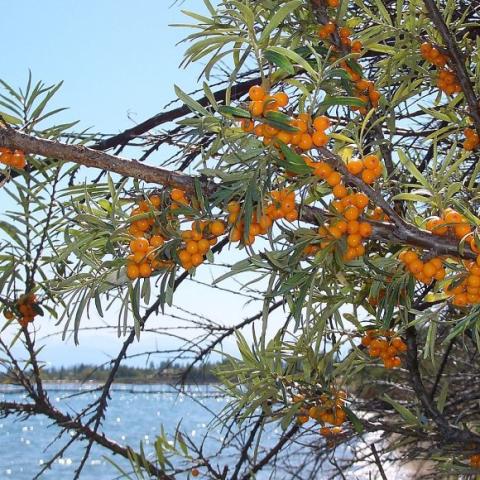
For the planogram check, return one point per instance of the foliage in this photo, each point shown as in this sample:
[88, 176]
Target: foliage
[399, 163]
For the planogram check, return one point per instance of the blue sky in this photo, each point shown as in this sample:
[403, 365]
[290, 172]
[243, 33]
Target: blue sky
[118, 58]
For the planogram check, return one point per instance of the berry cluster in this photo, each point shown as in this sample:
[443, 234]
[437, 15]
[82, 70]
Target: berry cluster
[451, 222]
[475, 460]
[329, 409]
[27, 307]
[282, 206]
[384, 344]
[12, 158]
[472, 142]
[364, 89]
[305, 136]
[356, 232]
[197, 242]
[369, 168]
[348, 204]
[467, 292]
[424, 272]
[447, 80]
[143, 259]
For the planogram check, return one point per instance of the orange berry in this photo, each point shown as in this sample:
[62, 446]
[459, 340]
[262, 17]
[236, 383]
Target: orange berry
[334, 179]
[195, 472]
[284, 137]
[410, 257]
[306, 142]
[351, 213]
[321, 123]
[354, 239]
[357, 46]
[18, 159]
[416, 266]
[342, 226]
[203, 246]
[323, 170]
[155, 200]
[139, 245]
[217, 228]
[320, 139]
[429, 269]
[365, 229]
[339, 191]
[247, 125]
[257, 93]
[157, 241]
[371, 162]
[177, 195]
[353, 226]
[145, 270]
[451, 216]
[355, 166]
[133, 272]
[256, 108]
[368, 176]
[233, 207]
[462, 229]
[184, 256]
[192, 247]
[281, 98]
[360, 200]
[197, 259]
[259, 130]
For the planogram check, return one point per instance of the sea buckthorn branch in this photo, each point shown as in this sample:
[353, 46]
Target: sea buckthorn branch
[92, 158]
[458, 61]
[401, 232]
[337, 39]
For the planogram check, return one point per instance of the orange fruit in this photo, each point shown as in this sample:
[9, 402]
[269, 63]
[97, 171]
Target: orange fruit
[281, 98]
[340, 191]
[365, 229]
[351, 213]
[145, 270]
[217, 228]
[371, 162]
[139, 245]
[320, 139]
[334, 179]
[256, 108]
[157, 241]
[257, 93]
[306, 142]
[321, 123]
[368, 177]
[197, 259]
[355, 166]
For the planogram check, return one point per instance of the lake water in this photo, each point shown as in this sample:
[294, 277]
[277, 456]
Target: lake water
[135, 414]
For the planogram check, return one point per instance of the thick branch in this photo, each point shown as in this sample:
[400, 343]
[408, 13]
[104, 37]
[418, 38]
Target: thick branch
[399, 233]
[91, 158]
